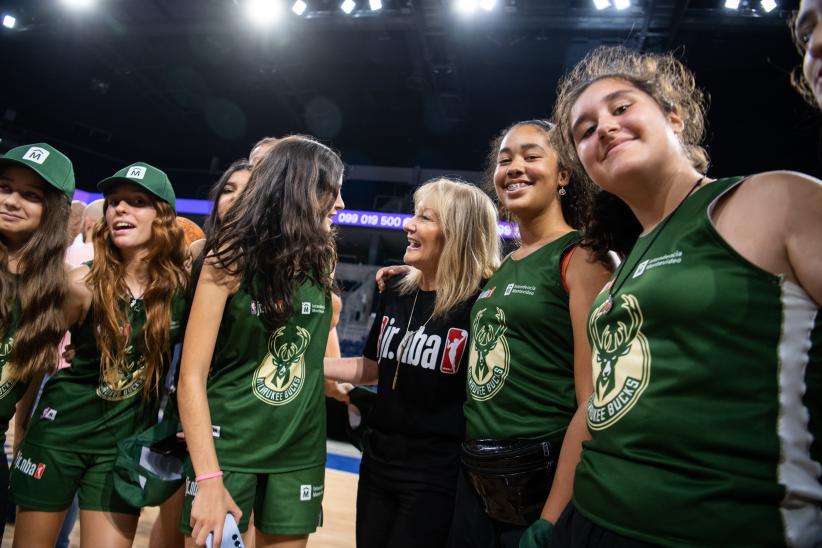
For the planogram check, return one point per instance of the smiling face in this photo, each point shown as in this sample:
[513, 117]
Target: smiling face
[527, 175]
[808, 34]
[232, 188]
[425, 240]
[130, 213]
[22, 193]
[620, 132]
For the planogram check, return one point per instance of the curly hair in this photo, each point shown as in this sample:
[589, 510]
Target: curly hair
[471, 249]
[606, 222]
[212, 222]
[663, 77]
[168, 276]
[42, 286]
[798, 80]
[275, 232]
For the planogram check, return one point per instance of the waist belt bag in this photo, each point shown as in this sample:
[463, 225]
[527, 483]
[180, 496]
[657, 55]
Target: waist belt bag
[513, 477]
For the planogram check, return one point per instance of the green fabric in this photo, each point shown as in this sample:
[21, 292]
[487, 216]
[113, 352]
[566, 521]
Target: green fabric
[288, 503]
[145, 175]
[10, 390]
[48, 162]
[46, 480]
[520, 370]
[538, 535]
[265, 390]
[89, 415]
[145, 477]
[685, 417]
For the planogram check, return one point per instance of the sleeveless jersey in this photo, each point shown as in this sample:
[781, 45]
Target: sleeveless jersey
[265, 389]
[521, 354]
[10, 390]
[705, 411]
[80, 412]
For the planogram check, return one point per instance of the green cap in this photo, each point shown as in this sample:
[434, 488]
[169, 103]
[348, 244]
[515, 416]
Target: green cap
[49, 163]
[147, 176]
[148, 468]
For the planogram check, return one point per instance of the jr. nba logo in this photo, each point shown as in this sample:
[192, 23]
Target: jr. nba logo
[454, 347]
[136, 172]
[39, 472]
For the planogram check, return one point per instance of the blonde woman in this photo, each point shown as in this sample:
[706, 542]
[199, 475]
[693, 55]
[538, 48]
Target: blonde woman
[416, 354]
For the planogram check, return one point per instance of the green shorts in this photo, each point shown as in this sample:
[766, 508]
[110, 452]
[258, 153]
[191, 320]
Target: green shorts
[285, 503]
[46, 480]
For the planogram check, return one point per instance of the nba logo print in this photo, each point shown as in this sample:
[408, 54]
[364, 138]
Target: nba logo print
[306, 308]
[509, 288]
[136, 172]
[36, 154]
[39, 472]
[305, 492]
[454, 347]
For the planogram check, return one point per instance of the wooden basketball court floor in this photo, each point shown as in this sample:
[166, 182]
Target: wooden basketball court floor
[339, 504]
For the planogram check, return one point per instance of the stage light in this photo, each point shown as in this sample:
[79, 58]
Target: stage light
[375, 4]
[299, 7]
[79, 4]
[732, 4]
[601, 4]
[768, 5]
[465, 6]
[622, 4]
[263, 12]
[487, 5]
[9, 21]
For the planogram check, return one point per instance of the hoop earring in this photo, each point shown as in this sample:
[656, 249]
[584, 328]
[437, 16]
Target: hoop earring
[562, 191]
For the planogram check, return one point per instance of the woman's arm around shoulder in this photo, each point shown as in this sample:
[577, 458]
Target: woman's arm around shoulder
[78, 296]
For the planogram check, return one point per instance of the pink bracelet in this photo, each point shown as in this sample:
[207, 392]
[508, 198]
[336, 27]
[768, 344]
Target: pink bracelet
[217, 474]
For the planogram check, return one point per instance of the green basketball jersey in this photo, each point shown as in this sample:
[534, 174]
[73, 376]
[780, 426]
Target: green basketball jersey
[521, 366]
[265, 389]
[10, 390]
[705, 411]
[78, 411]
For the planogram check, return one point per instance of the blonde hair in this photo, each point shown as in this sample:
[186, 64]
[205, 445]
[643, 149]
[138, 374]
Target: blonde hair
[471, 249]
[660, 75]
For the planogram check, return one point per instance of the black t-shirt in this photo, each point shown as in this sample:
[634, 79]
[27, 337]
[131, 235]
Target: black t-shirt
[424, 409]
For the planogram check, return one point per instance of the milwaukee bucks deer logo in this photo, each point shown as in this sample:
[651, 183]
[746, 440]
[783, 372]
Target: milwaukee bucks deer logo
[489, 356]
[5, 353]
[621, 361]
[128, 378]
[280, 376]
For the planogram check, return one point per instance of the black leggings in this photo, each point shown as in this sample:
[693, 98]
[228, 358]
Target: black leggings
[472, 528]
[4, 497]
[402, 508]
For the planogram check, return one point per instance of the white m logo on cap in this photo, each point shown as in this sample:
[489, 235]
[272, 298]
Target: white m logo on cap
[136, 172]
[36, 154]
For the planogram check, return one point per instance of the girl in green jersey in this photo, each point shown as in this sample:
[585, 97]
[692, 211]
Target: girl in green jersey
[251, 382]
[125, 310]
[707, 344]
[36, 186]
[807, 27]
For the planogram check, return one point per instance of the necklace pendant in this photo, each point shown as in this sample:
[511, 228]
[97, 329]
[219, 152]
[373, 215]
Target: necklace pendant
[609, 304]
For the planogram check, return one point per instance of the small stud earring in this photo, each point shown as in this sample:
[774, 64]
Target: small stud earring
[562, 191]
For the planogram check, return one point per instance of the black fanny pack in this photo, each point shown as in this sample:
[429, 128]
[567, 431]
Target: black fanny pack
[513, 477]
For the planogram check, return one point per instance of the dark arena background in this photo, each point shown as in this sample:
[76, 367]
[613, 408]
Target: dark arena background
[405, 90]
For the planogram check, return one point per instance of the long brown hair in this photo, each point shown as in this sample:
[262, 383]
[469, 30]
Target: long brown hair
[41, 285]
[166, 276]
[274, 233]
